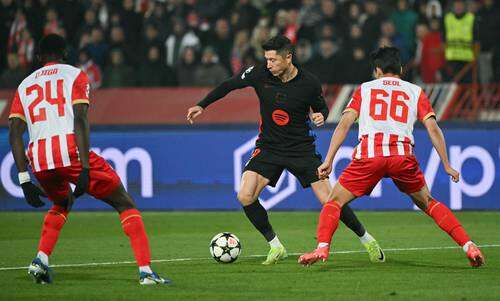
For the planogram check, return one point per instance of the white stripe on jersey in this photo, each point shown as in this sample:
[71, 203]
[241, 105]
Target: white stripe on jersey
[401, 149]
[35, 156]
[64, 150]
[371, 146]
[48, 153]
[385, 145]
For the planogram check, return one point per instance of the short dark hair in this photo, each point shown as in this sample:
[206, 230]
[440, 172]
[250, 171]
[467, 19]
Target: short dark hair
[280, 44]
[52, 45]
[387, 59]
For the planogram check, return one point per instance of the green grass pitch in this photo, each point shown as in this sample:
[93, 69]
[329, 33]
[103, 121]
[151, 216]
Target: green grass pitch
[420, 263]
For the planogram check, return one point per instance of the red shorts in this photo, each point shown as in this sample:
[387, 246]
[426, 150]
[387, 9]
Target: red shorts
[362, 175]
[103, 179]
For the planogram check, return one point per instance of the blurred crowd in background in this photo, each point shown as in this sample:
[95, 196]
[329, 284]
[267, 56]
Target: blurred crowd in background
[146, 43]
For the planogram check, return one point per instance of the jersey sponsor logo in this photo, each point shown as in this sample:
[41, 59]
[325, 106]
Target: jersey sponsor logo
[280, 117]
[246, 72]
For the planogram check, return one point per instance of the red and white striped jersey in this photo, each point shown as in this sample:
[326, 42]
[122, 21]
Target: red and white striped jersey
[387, 109]
[44, 100]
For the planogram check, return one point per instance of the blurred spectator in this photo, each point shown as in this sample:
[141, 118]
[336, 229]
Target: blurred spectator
[152, 73]
[131, 21]
[304, 54]
[87, 65]
[309, 16]
[371, 26]
[285, 23]
[70, 15]
[7, 16]
[97, 47]
[430, 52]
[187, 67]
[489, 29]
[117, 74]
[404, 20]
[260, 34]
[327, 65]
[13, 75]
[461, 40]
[222, 43]
[356, 39]
[245, 15]
[89, 22]
[210, 72]
[434, 10]
[16, 31]
[358, 70]
[177, 41]
[52, 23]
[331, 16]
[159, 19]
[100, 7]
[152, 39]
[355, 14]
[389, 37]
[26, 49]
[249, 59]
[241, 45]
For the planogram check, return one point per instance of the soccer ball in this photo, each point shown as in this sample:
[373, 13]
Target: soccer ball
[225, 247]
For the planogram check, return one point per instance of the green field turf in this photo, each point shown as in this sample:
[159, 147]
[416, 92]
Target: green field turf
[419, 274]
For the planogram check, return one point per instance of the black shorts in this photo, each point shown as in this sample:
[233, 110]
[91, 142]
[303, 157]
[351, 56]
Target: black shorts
[270, 166]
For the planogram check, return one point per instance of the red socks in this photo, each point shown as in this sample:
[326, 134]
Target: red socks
[134, 228]
[52, 225]
[328, 221]
[447, 221]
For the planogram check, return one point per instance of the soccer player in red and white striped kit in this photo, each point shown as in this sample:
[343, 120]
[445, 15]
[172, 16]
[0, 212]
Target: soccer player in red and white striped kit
[386, 109]
[52, 103]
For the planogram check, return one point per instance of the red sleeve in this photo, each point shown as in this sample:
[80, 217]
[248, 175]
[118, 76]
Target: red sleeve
[424, 108]
[16, 108]
[355, 102]
[81, 89]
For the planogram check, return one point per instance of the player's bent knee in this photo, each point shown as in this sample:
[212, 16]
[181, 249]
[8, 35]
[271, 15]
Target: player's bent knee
[120, 200]
[245, 198]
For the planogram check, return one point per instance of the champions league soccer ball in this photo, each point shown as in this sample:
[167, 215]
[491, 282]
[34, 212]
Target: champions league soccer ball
[225, 247]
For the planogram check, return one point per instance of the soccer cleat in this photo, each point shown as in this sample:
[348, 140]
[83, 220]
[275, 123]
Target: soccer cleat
[319, 254]
[152, 278]
[40, 272]
[375, 252]
[475, 256]
[275, 254]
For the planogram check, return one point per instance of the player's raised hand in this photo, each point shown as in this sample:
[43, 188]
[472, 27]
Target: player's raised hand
[455, 175]
[318, 119]
[32, 193]
[324, 170]
[194, 112]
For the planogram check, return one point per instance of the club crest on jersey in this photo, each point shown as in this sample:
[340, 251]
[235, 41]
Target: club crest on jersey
[246, 72]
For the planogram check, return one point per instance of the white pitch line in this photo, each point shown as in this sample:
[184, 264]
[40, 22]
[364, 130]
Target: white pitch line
[91, 264]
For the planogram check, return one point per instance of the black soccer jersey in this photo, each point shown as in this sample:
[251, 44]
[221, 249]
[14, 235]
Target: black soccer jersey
[285, 127]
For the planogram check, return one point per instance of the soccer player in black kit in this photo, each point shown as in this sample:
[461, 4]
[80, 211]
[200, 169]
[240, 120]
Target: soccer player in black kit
[287, 94]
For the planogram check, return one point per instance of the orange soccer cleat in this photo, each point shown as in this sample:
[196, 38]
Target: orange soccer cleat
[319, 254]
[475, 256]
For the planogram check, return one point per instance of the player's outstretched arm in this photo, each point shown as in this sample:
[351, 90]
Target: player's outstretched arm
[31, 192]
[82, 133]
[239, 81]
[437, 139]
[338, 137]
